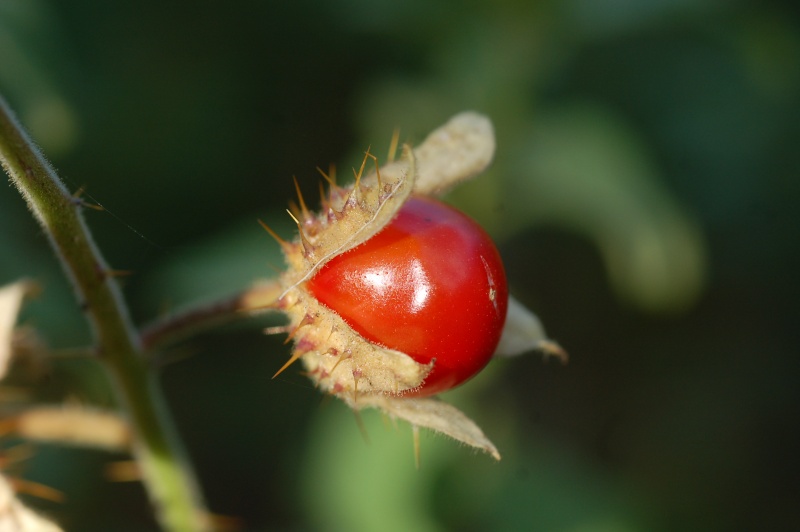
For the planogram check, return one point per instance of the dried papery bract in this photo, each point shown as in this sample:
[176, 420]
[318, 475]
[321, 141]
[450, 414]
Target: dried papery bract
[457, 151]
[74, 425]
[11, 297]
[13, 514]
[340, 361]
[18, 517]
[523, 332]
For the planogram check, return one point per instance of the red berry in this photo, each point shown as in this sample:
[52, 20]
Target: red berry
[431, 284]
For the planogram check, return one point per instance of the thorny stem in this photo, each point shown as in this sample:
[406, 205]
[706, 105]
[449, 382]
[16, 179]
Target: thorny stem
[182, 324]
[166, 474]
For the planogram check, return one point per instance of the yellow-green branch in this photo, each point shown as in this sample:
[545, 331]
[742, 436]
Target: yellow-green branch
[166, 473]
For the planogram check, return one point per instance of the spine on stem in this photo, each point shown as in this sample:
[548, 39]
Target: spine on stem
[165, 471]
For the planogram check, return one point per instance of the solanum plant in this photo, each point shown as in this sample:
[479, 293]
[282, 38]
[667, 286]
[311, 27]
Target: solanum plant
[391, 297]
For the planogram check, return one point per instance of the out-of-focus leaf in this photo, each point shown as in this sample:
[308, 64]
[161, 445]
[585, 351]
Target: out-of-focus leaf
[353, 485]
[582, 169]
[23, 28]
[350, 485]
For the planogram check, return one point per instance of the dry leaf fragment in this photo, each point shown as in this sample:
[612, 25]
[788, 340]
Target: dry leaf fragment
[16, 517]
[431, 413]
[11, 296]
[460, 149]
[524, 332]
[74, 425]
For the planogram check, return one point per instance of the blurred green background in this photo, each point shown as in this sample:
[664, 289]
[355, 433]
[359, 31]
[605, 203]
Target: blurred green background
[644, 196]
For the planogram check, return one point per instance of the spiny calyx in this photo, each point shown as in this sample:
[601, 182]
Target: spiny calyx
[372, 373]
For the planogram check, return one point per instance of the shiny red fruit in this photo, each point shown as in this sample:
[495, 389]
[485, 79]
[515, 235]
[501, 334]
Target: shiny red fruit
[431, 284]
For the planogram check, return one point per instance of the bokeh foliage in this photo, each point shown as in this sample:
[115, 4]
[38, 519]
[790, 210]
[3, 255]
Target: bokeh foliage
[643, 195]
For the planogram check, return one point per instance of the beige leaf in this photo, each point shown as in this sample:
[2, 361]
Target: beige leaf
[523, 332]
[74, 425]
[16, 517]
[434, 414]
[457, 151]
[11, 296]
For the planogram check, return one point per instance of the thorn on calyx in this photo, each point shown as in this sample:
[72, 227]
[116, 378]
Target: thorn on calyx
[335, 190]
[355, 193]
[415, 432]
[308, 248]
[323, 198]
[361, 427]
[307, 320]
[301, 348]
[377, 169]
[295, 356]
[303, 209]
[330, 177]
[358, 175]
[393, 145]
[283, 243]
[356, 376]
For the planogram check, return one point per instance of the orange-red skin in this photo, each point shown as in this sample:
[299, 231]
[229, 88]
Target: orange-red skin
[431, 284]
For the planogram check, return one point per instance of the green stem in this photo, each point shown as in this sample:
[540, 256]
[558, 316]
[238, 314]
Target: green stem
[166, 474]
